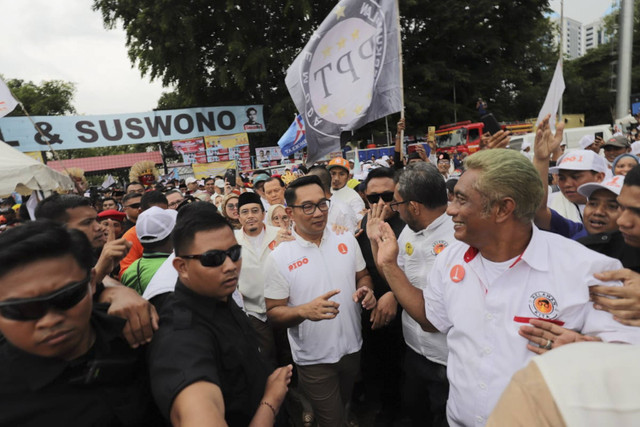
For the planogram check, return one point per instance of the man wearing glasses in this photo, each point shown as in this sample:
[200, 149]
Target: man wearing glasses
[420, 199]
[315, 286]
[205, 364]
[62, 360]
[174, 198]
[131, 207]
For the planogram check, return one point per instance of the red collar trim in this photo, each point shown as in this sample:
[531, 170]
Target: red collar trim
[470, 254]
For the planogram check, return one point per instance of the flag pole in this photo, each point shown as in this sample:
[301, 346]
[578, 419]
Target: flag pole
[401, 78]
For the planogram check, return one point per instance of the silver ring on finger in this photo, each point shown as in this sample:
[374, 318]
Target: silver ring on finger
[548, 345]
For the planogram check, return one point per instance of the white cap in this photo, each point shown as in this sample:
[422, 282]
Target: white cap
[635, 148]
[190, 180]
[613, 184]
[155, 224]
[586, 141]
[580, 160]
[219, 183]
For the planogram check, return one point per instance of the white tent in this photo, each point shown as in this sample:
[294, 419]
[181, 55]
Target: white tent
[21, 173]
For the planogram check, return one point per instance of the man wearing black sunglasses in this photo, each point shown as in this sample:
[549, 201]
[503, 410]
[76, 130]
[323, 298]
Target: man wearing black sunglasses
[62, 361]
[76, 212]
[383, 346]
[205, 363]
[315, 286]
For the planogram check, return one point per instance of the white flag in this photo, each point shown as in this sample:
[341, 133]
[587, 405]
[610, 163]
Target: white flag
[554, 96]
[348, 74]
[7, 102]
[108, 182]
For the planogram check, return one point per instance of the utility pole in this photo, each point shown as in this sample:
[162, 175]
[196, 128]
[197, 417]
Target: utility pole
[625, 46]
[561, 59]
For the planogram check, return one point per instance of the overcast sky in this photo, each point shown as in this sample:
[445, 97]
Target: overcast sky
[65, 40]
[585, 11]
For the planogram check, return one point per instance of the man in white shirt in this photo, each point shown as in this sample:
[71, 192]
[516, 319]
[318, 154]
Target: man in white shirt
[339, 170]
[420, 198]
[315, 286]
[339, 213]
[502, 274]
[257, 241]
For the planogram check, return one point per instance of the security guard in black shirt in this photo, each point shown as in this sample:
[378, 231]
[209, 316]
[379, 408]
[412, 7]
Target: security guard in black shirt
[204, 361]
[62, 361]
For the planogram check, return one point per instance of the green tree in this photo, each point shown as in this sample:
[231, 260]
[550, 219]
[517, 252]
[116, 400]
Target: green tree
[49, 98]
[217, 53]
[590, 79]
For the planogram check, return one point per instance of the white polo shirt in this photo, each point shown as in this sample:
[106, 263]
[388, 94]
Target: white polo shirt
[350, 198]
[416, 257]
[302, 271]
[549, 280]
[251, 280]
[341, 214]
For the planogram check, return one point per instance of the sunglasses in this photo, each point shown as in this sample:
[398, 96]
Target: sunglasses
[387, 196]
[217, 257]
[133, 206]
[35, 308]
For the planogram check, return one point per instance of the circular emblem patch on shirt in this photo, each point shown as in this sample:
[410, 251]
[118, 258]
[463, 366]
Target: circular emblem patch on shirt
[438, 247]
[408, 248]
[342, 248]
[457, 273]
[544, 305]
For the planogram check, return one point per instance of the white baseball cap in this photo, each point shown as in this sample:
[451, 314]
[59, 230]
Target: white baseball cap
[190, 180]
[635, 148]
[586, 141]
[155, 224]
[580, 160]
[219, 183]
[613, 184]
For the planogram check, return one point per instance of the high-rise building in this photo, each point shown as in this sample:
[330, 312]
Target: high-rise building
[579, 38]
[572, 30]
[594, 35]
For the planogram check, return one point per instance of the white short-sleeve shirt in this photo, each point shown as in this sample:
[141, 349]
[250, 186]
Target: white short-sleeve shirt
[351, 198]
[417, 255]
[550, 280]
[302, 271]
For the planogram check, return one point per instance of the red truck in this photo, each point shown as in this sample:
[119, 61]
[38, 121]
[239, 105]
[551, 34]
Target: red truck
[464, 137]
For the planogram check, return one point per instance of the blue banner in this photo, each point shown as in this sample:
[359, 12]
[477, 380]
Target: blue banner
[67, 132]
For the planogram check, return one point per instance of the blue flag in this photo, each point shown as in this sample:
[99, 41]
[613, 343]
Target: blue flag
[294, 139]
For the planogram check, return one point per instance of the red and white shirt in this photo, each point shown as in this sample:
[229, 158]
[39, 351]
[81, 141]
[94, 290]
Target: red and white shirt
[481, 317]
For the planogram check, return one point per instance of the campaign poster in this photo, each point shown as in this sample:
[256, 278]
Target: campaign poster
[268, 156]
[205, 170]
[192, 150]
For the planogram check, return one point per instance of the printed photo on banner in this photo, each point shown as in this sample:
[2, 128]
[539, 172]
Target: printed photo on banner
[268, 156]
[252, 123]
[192, 150]
[229, 147]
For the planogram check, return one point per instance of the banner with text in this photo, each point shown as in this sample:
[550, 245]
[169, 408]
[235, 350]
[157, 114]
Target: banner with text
[205, 170]
[67, 132]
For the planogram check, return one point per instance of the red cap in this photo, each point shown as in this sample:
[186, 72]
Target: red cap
[112, 214]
